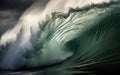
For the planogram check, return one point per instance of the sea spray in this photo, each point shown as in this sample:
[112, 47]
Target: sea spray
[28, 26]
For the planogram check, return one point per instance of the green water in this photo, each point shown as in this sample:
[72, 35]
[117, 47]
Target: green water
[84, 42]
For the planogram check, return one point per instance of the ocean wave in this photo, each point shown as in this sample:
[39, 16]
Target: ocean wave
[80, 41]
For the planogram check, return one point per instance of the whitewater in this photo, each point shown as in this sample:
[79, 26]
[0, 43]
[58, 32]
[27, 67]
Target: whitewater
[33, 32]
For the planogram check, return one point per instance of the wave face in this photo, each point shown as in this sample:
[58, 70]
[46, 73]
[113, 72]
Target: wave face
[74, 36]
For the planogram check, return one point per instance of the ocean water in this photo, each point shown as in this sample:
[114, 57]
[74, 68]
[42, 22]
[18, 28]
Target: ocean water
[81, 40]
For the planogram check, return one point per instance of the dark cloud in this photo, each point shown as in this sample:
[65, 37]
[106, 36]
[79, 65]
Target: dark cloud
[8, 18]
[15, 4]
[10, 11]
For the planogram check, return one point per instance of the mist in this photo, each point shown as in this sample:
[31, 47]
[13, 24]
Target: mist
[29, 25]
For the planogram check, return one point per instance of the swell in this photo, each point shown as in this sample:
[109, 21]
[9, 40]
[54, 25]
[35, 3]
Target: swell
[82, 32]
[91, 34]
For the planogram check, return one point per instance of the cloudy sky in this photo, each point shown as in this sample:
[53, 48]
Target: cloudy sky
[10, 11]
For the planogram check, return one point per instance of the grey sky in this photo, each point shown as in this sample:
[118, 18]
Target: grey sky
[10, 10]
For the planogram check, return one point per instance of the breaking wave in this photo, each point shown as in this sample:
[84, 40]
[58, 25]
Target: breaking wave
[67, 34]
